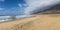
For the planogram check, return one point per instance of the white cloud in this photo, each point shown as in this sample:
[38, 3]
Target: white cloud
[35, 4]
[1, 8]
[2, 0]
[20, 5]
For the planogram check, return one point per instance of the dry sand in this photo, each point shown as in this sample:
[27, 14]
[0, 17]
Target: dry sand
[38, 22]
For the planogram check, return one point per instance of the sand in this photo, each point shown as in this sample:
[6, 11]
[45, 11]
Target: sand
[37, 22]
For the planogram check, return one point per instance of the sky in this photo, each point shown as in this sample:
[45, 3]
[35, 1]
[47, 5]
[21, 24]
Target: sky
[12, 7]
[21, 7]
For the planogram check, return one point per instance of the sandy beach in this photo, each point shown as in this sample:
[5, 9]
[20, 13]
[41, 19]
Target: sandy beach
[37, 22]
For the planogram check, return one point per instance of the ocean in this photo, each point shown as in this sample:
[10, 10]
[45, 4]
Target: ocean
[13, 18]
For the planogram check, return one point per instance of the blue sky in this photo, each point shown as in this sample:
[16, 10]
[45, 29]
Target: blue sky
[20, 7]
[12, 7]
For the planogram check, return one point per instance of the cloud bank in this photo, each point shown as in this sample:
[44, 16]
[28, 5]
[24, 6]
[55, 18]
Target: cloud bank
[39, 4]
